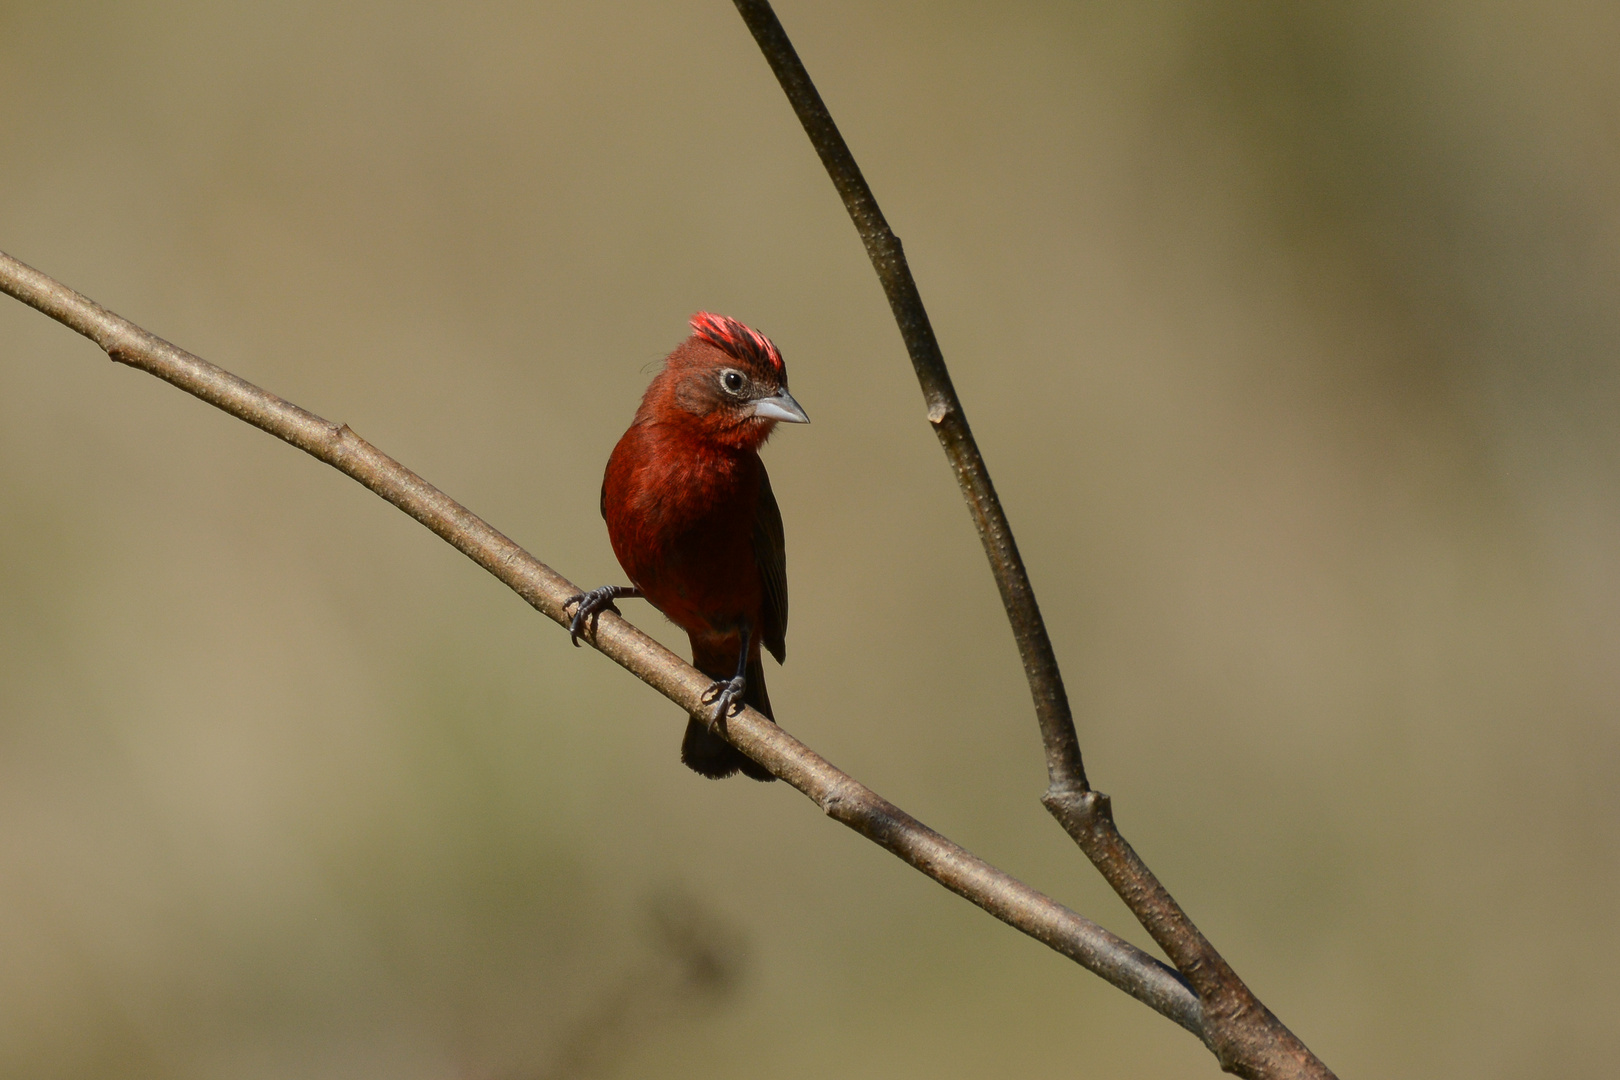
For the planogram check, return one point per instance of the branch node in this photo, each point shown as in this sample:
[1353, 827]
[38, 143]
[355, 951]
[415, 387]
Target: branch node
[1078, 810]
[836, 798]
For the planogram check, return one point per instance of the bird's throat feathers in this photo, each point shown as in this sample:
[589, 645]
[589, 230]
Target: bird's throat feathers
[690, 399]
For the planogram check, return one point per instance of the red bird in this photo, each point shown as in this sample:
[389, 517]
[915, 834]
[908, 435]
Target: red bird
[691, 516]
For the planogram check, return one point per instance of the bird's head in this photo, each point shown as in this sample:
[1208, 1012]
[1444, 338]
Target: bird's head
[731, 381]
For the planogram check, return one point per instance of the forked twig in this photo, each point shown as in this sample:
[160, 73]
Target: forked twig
[1243, 1034]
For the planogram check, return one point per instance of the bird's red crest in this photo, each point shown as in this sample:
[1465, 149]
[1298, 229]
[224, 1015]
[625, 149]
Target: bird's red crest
[736, 340]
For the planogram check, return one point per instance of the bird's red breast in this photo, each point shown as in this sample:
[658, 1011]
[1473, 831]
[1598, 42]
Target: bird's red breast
[680, 512]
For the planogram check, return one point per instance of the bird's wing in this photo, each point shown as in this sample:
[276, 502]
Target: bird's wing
[770, 555]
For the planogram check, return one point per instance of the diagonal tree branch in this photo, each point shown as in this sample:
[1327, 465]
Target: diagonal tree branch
[839, 796]
[1244, 1035]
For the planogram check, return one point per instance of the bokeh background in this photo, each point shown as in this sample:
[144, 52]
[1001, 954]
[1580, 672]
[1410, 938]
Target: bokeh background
[1290, 333]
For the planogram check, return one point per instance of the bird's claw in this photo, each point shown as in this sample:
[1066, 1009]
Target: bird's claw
[591, 603]
[724, 694]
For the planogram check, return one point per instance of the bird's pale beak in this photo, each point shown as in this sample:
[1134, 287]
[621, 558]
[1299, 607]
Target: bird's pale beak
[780, 406]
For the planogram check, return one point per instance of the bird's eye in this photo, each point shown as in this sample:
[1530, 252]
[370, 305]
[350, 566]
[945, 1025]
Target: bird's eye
[733, 382]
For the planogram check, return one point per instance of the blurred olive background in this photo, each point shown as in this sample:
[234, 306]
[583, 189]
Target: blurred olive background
[1289, 332]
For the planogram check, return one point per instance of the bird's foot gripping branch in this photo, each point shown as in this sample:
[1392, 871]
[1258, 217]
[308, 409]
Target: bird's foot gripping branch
[590, 604]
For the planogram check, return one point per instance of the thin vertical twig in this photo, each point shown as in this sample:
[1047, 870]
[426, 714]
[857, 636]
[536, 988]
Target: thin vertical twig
[1064, 766]
[1244, 1035]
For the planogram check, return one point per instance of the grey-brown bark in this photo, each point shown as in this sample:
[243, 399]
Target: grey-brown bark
[1243, 1034]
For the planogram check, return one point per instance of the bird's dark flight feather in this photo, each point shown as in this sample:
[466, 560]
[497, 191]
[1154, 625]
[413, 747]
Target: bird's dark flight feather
[770, 555]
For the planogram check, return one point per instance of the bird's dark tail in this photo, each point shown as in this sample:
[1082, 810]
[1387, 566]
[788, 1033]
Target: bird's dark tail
[708, 754]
